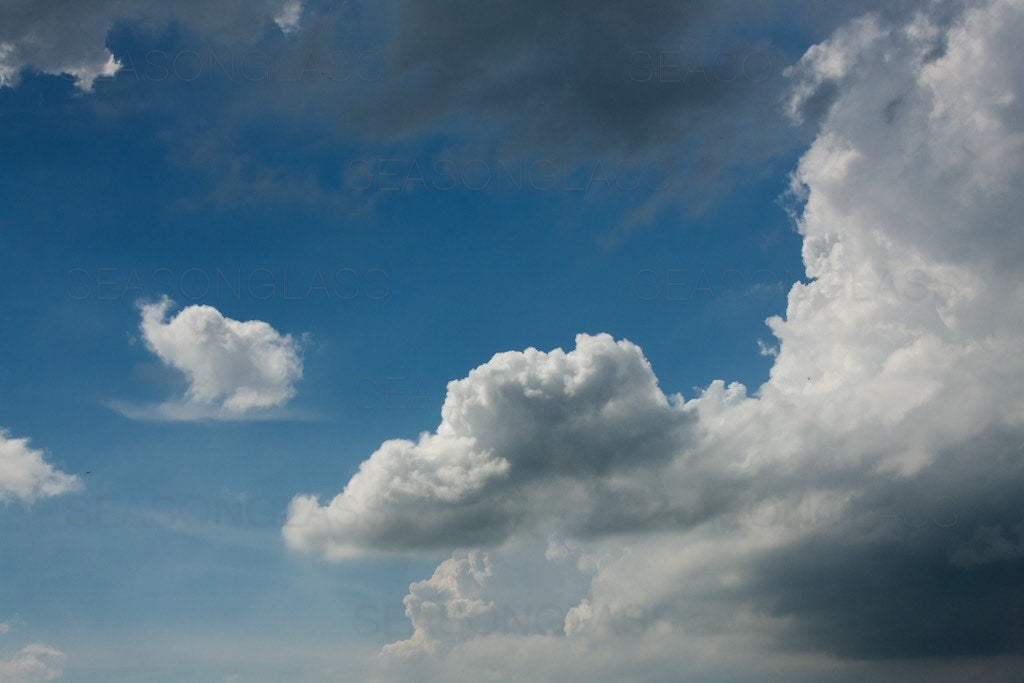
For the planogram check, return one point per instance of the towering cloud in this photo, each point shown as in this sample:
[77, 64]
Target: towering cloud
[861, 507]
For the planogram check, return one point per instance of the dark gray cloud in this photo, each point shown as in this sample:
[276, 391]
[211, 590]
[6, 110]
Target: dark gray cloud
[694, 86]
[554, 72]
[697, 82]
[927, 566]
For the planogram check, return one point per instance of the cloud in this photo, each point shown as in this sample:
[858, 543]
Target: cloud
[598, 76]
[25, 475]
[589, 62]
[32, 664]
[581, 428]
[686, 92]
[626, 87]
[691, 89]
[61, 39]
[858, 515]
[525, 593]
[234, 369]
[289, 18]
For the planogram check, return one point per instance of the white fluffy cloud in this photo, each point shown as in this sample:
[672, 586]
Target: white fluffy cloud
[522, 433]
[858, 516]
[233, 368]
[33, 664]
[70, 38]
[25, 475]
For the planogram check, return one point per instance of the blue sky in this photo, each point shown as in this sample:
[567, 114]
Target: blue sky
[330, 212]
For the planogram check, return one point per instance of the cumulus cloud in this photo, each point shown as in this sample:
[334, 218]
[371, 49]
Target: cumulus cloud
[583, 428]
[25, 475]
[524, 593]
[70, 39]
[234, 369]
[33, 664]
[858, 515]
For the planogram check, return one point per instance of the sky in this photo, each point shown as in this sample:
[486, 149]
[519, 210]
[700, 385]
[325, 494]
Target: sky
[447, 340]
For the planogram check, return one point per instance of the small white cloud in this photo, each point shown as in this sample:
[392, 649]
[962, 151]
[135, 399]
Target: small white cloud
[33, 664]
[289, 17]
[25, 475]
[4, 628]
[234, 369]
[86, 74]
[766, 350]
